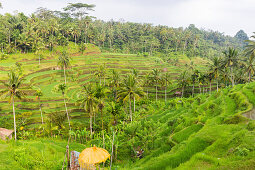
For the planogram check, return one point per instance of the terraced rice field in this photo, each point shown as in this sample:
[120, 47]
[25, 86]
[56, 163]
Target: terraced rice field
[47, 76]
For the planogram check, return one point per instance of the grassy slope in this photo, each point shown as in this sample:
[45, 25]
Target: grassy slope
[34, 154]
[205, 132]
[83, 66]
[209, 133]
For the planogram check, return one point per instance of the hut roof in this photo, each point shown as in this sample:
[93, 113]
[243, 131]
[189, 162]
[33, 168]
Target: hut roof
[6, 132]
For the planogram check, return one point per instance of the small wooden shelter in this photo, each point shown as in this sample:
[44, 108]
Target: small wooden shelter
[5, 133]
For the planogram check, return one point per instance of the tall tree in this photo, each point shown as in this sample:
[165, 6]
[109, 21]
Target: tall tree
[166, 81]
[230, 62]
[129, 90]
[101, 72]
[100, 94]
[115, 81]
[216, 67]
[13, 90]
[64, 62]
[38, 95]
[156, 79]
[250, 53]
[183, 81]
[88, 102]
[62, 88]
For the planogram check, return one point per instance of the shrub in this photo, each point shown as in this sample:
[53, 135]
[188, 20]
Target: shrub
[251, 125]
[241, 151]
[234, 119]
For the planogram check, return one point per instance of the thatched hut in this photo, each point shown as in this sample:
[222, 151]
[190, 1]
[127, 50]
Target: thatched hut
[5, 133]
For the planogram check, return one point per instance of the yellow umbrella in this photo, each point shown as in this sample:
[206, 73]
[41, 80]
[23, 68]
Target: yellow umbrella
[93, 155]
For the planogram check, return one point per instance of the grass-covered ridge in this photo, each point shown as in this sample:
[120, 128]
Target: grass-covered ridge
[204, 132]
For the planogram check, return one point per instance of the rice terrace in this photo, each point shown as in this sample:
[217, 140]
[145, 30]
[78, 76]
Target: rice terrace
[80, 91]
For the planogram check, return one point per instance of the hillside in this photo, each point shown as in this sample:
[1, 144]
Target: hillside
[47, 76]
[204, 132]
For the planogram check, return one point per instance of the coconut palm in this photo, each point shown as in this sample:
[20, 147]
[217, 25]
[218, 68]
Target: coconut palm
[38, 95]
[183, 81]
[62, 88]
[100, 73]
[250, 66]
[166, 81]
[194, 78]
[130, 90]
[250, 53]
[216, 67]
[210, 77]
[13, 90]
[115, 81]
[100, 94]
[156, 79]
[147, 80]
[88, 101]
[231, 62]
[64, 62]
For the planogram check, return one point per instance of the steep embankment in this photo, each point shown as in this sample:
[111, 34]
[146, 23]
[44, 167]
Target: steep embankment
[205, 132]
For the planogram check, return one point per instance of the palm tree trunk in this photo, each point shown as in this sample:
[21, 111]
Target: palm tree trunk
[41, 110]
[102, 126]
[134, 104]
[210, 87]
[193, 89]
[182, 91]
[165, 94]
[67, 113]
[75, 39]
[65, 74]
[112, 151]
[130, 109]
[249, 76]
[156, 93]
[217, 85]
[14, 119]
[90, 126]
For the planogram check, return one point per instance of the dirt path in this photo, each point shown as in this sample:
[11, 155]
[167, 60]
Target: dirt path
[250, 114]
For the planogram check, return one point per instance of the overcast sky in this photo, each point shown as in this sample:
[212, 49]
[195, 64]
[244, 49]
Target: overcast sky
[227, 16]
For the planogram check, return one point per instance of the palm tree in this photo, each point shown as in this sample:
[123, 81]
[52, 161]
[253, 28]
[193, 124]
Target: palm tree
[64, 62]
[250, 66]
[166, 81]
[100, 94]
[156, 79]
[216, 68]
[13, 89]
[194, 78]
[231, 62]
[183, 81]
[250, 52]
[210, 77]
[39, 94]
[130, 90]
[100, 73]
[62, 88]
[146, 82]
[115, 81]
[88, 102]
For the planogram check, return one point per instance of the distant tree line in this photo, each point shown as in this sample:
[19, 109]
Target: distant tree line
[45, 28]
